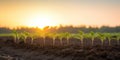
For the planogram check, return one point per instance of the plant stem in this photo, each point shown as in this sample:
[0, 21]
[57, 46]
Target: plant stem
[102, 42]
[31, 41]
[118, 42]
[92, 41]
[67, 41]
[109, 42]
[44, 41]
[82, 42]
[53, 41]
[61, 42]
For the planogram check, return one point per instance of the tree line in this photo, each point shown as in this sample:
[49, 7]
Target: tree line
[70, 29]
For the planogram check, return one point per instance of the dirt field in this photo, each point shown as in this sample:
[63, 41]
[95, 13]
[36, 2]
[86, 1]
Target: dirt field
[11, 51]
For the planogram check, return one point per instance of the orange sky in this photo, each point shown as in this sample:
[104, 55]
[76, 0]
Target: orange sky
[43, 13]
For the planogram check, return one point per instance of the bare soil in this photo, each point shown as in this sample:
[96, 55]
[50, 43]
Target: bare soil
[12, 51]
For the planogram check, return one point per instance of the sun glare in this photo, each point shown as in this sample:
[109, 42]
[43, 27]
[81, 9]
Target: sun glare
[41, 21]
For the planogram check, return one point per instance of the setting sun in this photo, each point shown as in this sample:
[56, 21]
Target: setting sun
[41, 21]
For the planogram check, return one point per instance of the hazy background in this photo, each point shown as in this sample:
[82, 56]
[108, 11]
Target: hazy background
[66, 12]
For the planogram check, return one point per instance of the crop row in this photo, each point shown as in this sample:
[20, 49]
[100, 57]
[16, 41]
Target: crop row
[65, 36]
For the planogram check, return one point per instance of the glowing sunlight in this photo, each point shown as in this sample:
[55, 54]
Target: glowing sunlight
[41, 21]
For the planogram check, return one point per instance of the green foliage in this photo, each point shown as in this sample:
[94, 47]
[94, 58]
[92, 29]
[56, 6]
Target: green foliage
[80, 35]
[8, 34]
[61, 36]
[109, 37]
[117, 37]
[16, 36]
[53, 36]
[80, 32]
[24, 36]
[68, 36]
[102, 37]
[92, 35]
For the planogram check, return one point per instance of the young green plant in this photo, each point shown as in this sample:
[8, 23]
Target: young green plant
[80, 36]
[16, 36]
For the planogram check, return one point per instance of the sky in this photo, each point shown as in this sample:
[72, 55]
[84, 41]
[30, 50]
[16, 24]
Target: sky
[55, 12]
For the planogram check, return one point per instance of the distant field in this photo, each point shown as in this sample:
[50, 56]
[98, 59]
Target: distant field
[6, 34]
